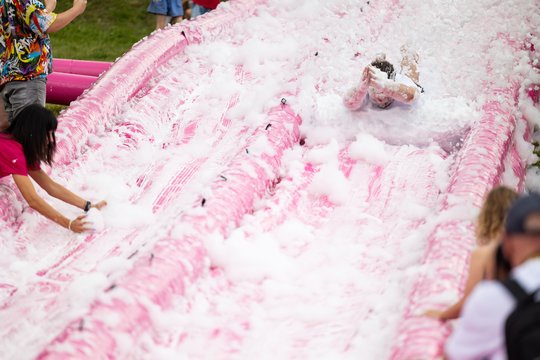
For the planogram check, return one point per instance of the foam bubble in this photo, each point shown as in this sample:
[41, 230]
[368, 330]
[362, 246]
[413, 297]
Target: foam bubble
[95, 220]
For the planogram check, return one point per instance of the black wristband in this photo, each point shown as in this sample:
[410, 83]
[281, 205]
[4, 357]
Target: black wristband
[87, 206]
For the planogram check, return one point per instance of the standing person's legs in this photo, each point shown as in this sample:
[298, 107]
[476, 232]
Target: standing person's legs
[17, 95]
[187, 5]
[161, 21]
[175, 10]
[159, 8]
[198, 10]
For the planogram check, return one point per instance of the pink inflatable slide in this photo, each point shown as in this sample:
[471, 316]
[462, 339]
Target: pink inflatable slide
[250, 214]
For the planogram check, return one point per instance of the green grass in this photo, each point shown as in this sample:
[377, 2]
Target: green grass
[537, 152]
[106, 30]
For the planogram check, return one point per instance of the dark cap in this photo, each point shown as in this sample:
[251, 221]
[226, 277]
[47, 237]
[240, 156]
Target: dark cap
[519, 212]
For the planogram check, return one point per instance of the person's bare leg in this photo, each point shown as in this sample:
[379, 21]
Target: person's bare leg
[4, 122]
[176, 20]
[161, 21]
[187, 10]
[409, 64]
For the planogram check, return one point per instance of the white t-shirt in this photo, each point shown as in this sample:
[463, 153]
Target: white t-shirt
[480, 331]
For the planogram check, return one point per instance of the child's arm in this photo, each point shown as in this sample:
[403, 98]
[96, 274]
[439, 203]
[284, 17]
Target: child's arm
[399, 92]
[37, 203]
[354, 98]
[66, 17]
[58, 191]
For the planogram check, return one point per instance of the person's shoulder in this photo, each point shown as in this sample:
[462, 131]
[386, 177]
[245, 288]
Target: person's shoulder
[483, 252]
[10, 147]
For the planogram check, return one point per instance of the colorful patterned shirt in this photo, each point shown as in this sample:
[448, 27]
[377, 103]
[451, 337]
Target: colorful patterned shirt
[24, 43]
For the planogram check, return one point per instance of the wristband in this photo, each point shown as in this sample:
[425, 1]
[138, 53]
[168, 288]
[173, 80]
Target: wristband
[87, 206]
[69, 225]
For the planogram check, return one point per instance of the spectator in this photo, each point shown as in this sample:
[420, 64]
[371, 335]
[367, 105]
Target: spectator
[383, 86]
[201, 7]
[26, 50]
[28, 141]
[483, 264]
[481, 333]
[164, 9]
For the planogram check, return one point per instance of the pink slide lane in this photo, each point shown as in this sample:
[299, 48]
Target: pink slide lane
[490, 149]
[177, 260]
[129, 79]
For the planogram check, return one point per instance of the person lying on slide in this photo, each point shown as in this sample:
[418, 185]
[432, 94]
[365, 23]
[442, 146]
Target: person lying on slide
[381, 85]
[30, 140]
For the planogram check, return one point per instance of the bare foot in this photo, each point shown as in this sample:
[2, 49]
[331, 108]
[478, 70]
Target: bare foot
[409, 63]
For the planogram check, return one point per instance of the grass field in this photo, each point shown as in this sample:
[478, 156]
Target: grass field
[106, 30]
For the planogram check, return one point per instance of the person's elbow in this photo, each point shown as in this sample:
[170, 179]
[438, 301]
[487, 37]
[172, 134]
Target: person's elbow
[52, 28]
[34, 202]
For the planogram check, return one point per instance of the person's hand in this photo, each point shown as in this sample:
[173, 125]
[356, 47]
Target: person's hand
[380, 82]
[434, 314]
[79, 5]
[78, 225]
[377, 79]
[99, 205]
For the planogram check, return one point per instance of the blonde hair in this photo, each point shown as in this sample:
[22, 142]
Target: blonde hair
[492, 215]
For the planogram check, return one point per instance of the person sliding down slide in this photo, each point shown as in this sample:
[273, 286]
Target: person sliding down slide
[380, 83]
[30, 140]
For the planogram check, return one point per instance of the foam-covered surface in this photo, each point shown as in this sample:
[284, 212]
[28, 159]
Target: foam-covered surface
[225, 238]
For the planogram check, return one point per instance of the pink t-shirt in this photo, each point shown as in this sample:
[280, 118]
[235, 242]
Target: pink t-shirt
[12, 160]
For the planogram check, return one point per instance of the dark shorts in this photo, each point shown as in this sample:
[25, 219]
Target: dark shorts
[19, 94]
[172, 8]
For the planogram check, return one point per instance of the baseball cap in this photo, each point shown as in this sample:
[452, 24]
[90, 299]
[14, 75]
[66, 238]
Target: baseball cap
[519, 212]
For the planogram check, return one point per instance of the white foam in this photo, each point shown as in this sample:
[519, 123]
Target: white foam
[95, 220]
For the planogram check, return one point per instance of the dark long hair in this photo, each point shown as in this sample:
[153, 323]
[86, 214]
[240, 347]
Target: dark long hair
[385, 66]
[31, 128]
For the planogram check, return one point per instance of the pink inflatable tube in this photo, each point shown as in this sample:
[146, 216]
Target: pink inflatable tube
[480, 166]
[81, 67]
[71, 78]
[63, 88]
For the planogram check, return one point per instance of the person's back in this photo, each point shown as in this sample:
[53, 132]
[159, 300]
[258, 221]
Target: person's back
[480, 333]
[25, 46]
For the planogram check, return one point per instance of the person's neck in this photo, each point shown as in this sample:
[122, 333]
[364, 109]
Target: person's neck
[526, 256]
